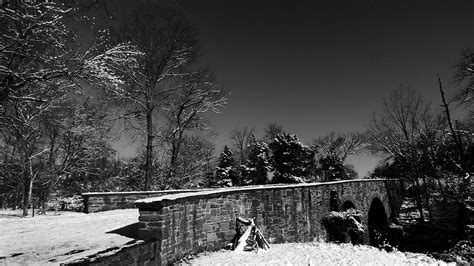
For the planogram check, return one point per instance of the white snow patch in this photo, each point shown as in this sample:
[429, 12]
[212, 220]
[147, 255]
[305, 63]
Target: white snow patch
[315, 254]
[50, 240]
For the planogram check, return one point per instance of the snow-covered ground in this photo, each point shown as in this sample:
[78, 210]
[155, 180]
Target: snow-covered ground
[53, 239]
[315, 254]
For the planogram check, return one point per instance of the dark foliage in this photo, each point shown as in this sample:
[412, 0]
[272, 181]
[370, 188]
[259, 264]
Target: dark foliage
[292, 161]
[343, 227]
[256, 169]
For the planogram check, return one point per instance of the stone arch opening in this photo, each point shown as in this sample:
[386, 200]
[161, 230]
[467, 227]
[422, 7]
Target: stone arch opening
[378, 223]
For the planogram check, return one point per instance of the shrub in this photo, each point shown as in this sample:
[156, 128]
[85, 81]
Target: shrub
[343, 226]
[67, 203]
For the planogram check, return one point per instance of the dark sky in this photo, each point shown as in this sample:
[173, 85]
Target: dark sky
[321, 66]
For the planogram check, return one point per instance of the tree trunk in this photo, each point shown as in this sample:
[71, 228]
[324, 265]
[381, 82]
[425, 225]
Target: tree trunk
[18, 196]
[51, 170]
[419, 204]
[176, 146]
[172, 161]
[457, 139]
[149, 151]
[427, 199]
[28, 187]
[26, 199]
[45, 200]
[443, 192]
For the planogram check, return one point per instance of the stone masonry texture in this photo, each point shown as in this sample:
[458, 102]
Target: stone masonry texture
[187, 223]
[105, 201]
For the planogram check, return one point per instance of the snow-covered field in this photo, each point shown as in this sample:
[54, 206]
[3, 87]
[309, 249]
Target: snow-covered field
[53, 239]
[315, 254]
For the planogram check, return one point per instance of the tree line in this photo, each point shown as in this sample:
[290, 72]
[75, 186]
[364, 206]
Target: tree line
[280, 157]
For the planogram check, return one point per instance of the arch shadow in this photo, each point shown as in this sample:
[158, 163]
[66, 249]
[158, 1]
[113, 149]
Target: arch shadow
[377, 224]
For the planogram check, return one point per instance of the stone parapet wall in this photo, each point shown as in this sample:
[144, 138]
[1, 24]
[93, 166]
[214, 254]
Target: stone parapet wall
[104, 201]
[184, 223]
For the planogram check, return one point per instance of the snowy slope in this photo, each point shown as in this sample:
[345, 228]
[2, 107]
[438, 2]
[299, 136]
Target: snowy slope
[43, 240]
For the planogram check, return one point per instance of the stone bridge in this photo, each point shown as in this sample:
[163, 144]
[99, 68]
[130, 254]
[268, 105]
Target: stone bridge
[185, 223]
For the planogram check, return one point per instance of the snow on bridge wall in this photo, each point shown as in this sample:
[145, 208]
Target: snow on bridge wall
[185, 223]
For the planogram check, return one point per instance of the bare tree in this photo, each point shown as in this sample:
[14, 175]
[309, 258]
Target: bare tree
[271, 131]
[194, 163]
[185, 109]
[169, 46]
[38, 47]
[407, 131]
[465, 76]
[240, 138]
[40, 66]
[460, 136]
[339, 145]
[332, 151]
[393, 131]
[454, 131]
[75, 139]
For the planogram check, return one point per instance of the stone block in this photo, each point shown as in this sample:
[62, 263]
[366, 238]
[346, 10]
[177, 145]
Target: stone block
[224, 226]
[211, 237]
[165, 210]
[221, 235]
[199, 224]
[148, 218]
[159, 233]
[228, 205]
[156, 224]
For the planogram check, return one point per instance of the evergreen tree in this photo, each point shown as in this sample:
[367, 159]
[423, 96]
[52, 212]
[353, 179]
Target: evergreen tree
[226, 175]
[332, 169]
[226, 158]
[293, 162]
[255, 171]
